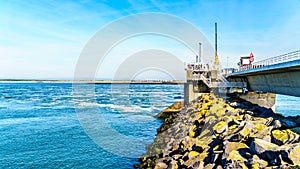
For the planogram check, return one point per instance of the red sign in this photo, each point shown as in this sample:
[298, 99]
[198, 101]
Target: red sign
[251, 57]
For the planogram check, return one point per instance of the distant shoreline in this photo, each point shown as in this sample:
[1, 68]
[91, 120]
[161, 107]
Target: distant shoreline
[95, 81]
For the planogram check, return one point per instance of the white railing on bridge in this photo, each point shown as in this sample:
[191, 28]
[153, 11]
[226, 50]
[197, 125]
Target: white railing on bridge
[222, 84]
[272, 61]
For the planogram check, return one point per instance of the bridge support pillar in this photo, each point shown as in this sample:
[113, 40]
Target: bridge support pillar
[193, 90]
[262, 99]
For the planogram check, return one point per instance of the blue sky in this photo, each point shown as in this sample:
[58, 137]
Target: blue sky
[43, 39]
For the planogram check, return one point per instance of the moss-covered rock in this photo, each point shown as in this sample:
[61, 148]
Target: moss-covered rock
[220, 127]
[257, 163]
[213, 133]
[174, 108]
[294, 155]
[260, 146]
[287, 136]
[233, 146]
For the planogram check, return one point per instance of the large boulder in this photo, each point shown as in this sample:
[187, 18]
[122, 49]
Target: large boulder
[174, 108]
[160, 165]
[247, 130]
[260, 146]
[265, 121]
[294, 155]
[232, 146]
[287, 136]
[232, 156]
[235, 160]
[256, 162]
[266, 151]
[261, 131]
[290, 153]
[173, 165]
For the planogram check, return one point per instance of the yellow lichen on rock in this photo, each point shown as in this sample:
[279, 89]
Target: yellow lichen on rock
[193, 153]
[258, 163]
[160, 165]
[235, 156]
[233, 146]
[294, 155]
[203, 155]
[260, 146]
[212, 133]
[236, 160]
[220, 127]
[258, 127]
[284, 136]
[245, 131]
[191, 133]
[202, 143]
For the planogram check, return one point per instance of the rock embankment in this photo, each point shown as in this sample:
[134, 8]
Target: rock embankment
[169, 115]
[213, 133]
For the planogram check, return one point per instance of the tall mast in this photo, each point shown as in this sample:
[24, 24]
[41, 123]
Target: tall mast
[216, 48]
[216, 40]
[200, 52]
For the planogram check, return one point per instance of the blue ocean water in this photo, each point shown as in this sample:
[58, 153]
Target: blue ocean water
[287, 105]
[39, 127]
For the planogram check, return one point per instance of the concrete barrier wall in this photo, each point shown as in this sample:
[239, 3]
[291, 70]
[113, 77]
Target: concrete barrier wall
[287, 83]
[262, 99]
[190, 94]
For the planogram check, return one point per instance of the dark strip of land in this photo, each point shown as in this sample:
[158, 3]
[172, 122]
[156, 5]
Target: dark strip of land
[94, 81]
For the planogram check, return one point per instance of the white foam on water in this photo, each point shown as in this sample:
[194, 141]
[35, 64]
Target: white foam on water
[140, 117]
[121, 108]
[88, 104]
[125, 108]
[10, 121]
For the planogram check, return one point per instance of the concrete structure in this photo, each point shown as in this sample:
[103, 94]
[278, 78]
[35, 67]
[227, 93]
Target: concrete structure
[278, 75]
[202, 79]
[263, 99]
[194, 87]
[255, 82]
[258, 82]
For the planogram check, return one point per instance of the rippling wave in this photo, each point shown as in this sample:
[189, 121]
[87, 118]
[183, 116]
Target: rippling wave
[39, 126]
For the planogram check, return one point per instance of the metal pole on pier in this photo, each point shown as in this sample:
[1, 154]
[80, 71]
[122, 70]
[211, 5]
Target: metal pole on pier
[216, 48]
[216, 39]
[200, 53]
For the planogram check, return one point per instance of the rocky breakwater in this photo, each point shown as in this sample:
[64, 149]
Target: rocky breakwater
[214, 133]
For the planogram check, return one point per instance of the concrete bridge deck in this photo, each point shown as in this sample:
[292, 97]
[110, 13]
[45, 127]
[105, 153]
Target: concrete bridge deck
[276, 68]
[278, 77]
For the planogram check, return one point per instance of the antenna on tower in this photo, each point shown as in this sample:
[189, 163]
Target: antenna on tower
[200, 53]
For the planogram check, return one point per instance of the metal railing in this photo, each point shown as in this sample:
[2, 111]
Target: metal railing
[197, 66]
[197, 77]
[272, 61]
[228, 85]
